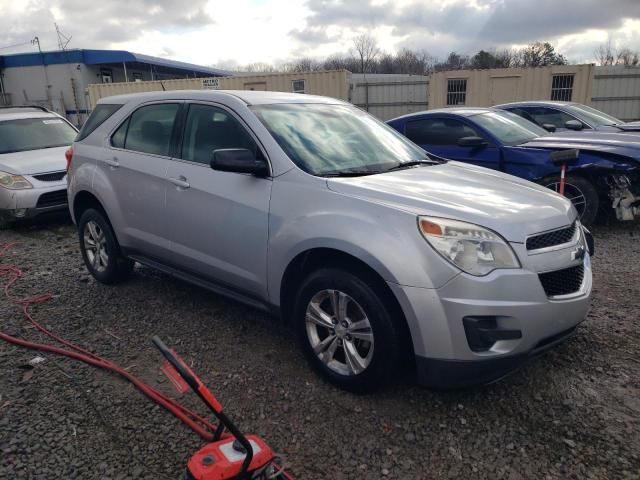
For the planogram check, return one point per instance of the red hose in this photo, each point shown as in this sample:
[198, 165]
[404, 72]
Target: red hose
[198, 424]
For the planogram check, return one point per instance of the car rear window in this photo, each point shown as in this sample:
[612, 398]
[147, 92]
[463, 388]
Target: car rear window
[97, 118]
[24, 134]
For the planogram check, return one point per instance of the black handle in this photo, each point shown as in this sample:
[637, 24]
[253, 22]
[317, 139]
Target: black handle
[198, 387]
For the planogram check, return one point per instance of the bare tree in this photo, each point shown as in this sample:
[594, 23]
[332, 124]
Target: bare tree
[259, 67]
[604, 54]
[366, 49]
[627, 57]
[607, 55]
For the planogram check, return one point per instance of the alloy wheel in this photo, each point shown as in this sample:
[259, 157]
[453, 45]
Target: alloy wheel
[95, 246]
[339, 332]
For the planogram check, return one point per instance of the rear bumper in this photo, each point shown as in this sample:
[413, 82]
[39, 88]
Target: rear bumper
[450, 374]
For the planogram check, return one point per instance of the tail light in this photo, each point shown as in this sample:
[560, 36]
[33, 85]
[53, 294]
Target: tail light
[68, 154]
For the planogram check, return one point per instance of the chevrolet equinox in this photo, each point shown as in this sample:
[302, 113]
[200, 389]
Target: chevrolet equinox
[372, 250]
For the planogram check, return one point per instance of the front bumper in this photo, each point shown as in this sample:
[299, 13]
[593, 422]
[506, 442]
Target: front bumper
[17, 204]
[513, 300]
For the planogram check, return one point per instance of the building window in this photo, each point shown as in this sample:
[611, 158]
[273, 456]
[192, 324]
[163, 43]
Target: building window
[137, 77]
[106, 75]
[562, 87]
[456, 91]
[297, 86]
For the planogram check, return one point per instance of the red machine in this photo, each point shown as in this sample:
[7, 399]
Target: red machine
[231, 455]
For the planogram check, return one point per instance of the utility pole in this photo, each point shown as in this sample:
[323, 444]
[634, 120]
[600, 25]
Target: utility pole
[36, 41]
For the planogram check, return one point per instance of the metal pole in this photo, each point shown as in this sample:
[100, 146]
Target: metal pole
[124, 65]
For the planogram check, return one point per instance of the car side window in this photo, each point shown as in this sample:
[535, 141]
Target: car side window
[544, 115]
[438, 131]
[120, 135]
[148, 129]
[210, 128]
[524, 114]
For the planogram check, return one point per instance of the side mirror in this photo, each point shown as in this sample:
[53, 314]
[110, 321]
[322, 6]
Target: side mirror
[239, 160]
[565, 157]
[473, 142]
[574, 125]
[549, 127]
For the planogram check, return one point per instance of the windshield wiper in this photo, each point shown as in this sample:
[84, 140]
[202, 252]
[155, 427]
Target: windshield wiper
[349, 173]
[414, 163]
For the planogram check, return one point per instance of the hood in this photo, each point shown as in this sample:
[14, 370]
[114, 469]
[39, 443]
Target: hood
[508, 205]
[605, 142]
[629, 126]
[34, 161]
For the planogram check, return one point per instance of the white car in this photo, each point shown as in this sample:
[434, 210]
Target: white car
[33, 141]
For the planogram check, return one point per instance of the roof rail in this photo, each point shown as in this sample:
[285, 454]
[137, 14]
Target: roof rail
[38, 107]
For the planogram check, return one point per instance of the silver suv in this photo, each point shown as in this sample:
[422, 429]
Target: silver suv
[311, 209]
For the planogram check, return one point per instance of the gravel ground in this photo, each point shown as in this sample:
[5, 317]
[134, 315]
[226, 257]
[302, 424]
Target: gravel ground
[574, 413]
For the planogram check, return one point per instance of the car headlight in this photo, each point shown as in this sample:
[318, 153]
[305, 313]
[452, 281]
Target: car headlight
[14, 182]
[473, 249]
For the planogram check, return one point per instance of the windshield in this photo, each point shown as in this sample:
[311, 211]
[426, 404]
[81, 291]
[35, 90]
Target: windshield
[593, 116]
[324, 139]
[509, 128]
[34, 134]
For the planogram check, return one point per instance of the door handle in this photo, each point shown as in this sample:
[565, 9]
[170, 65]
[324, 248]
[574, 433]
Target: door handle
[113, 162]
[180, 182]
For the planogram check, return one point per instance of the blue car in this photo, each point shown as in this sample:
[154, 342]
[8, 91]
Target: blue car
[562, 116]
[605, 175]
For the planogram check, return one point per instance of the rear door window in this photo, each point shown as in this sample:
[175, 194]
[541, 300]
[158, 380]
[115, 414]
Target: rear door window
[210, 128]
[438, 131]
[148, 129]
[99, 115]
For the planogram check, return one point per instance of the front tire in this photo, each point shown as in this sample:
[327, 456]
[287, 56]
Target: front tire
[347, 330]
[100, 249]
[581, 192]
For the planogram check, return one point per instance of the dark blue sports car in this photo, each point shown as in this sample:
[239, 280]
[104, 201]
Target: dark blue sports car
[606, 172]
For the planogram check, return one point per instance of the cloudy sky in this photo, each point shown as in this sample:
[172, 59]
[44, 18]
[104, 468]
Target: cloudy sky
[239, 32]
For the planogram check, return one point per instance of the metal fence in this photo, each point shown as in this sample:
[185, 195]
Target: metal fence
[387, 95]
[616, 91]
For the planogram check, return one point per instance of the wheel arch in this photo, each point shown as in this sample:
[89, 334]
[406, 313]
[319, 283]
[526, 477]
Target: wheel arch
[312, 259]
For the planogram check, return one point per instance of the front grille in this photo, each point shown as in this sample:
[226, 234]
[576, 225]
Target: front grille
[52, 199]
[562, 282]
[551, 239]
[50, 177]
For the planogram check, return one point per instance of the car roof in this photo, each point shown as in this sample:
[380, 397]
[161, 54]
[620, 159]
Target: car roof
[462, 111]
[250, 97]
[19, 114]
[551, 103]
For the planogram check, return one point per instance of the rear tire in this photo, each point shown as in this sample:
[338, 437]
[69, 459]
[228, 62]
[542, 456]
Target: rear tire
[581, 192]
[100, 249]
[347, 330]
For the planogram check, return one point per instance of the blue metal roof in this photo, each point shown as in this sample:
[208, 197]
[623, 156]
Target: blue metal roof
[99, 57]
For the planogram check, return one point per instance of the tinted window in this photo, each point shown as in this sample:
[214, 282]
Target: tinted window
[549, 115]
[323, 139]
[150, 128]
[438, 131]
[118, 138]
[97, 118]
[211, 128]
[34, 134]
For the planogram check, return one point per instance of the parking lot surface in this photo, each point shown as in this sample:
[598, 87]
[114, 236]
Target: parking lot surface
[573, 413]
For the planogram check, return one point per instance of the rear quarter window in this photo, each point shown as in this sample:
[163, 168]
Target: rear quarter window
[99, 115]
